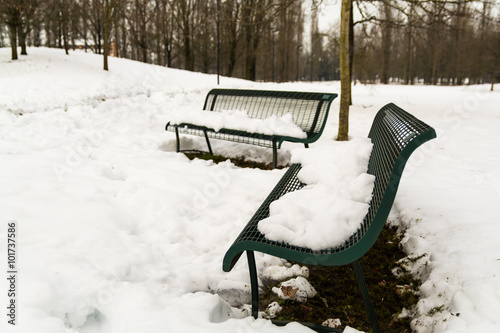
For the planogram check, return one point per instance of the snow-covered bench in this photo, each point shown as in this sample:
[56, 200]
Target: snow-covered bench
[395, 134]
[258, 117]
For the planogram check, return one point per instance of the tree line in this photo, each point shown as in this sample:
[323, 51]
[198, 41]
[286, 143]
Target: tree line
[435, 42]
[407, 41]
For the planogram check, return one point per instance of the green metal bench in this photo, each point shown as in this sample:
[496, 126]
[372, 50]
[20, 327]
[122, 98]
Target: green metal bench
[309, 110]
[395, 134]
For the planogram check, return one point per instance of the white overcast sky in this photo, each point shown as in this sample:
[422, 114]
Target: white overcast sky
[329, 14]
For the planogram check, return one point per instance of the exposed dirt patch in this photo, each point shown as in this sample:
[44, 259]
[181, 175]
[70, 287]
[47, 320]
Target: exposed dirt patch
[238, 161]
[339, 296]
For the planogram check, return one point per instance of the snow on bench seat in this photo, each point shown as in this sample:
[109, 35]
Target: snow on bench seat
[240, 121]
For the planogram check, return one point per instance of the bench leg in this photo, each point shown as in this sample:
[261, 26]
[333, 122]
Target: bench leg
[177, 142]
[306, 145]
[275, 155]
[208, 143]
[366, 296]
[254, 284]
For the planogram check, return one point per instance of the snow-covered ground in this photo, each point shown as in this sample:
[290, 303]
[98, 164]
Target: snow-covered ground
[115, 232]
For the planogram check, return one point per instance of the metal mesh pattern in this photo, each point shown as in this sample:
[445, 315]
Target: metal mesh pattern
[309, 111]
[392, 131]
[288, 183]
[229, 135]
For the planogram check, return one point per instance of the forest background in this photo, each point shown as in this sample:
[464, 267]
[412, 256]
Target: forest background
[447, 42]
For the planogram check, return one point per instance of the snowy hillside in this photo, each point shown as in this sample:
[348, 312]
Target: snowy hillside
[118, 233]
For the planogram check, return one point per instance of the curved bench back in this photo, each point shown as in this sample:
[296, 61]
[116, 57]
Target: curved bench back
[395, 134]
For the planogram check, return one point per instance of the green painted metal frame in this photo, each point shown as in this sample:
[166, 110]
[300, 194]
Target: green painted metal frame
[311, 108]
[395, 134]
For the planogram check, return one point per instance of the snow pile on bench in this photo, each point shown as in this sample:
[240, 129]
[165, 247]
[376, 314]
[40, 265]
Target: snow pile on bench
[240, 121]
[334, 202]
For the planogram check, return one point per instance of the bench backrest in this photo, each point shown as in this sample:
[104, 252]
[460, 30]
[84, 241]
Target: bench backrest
[309, 110]
[395, 134]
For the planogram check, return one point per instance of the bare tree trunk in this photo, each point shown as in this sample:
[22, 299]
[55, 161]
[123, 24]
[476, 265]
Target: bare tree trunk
[118, 38]
[36, 37]
[12, 15]
[351, 49]
[22, 40]
[408, 75]
[106, 26]
[255, 17]
[386, 42]
[85, 14]
[188, 53]
[345, 80]
[231, 32]
[493, 79]
[96, 21]
[252, 61]
[458, 40]
[13, 40]
[124, 53]
[250, 58]
[183, 13]
[65, 37]
[315, 42]
[109, 11]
